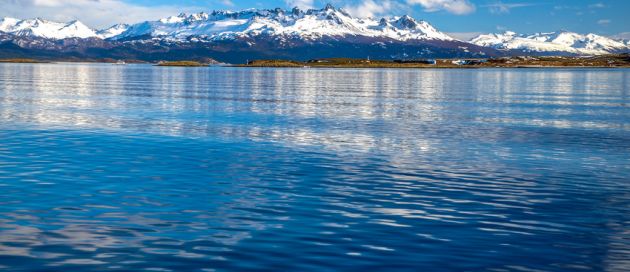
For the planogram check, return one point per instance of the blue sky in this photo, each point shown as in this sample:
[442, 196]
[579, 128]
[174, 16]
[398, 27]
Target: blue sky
[464, 17]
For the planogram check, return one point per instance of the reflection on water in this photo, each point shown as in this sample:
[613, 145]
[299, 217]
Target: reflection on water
[106, 167]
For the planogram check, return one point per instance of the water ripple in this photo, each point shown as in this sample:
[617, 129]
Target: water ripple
[137, 168]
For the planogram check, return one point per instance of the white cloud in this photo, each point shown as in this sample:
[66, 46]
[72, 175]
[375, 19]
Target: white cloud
[369, 8]
[565, 7]
[228, 3]
[597, 5]
[95, 13]
[458, 7]
[48, 3]
[604, 22]
[302, 4]
[503, 8]
[501, 28]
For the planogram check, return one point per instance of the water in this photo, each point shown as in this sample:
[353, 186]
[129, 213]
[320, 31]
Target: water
[141, 168]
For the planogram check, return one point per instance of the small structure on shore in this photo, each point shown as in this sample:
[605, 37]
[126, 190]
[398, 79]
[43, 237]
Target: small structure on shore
[469, 62]
[417, 61]
[318, 61]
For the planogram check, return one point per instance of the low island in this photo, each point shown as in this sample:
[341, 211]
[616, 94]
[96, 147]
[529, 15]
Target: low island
[22, 61]
[602, 61]
[605, 61]
[181, 64]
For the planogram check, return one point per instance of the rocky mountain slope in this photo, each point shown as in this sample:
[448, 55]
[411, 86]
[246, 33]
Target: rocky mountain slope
[236, 37]
[306, 25]
[41, 28]
[560, 42]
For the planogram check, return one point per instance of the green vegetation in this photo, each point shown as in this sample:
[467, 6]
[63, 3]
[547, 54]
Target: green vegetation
[181, 64]
[335, 63]
[618, 60]
[621, 60]
[274, 63]
[21, 61]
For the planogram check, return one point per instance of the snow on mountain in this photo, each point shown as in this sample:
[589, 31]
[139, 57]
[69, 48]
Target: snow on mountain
[309, 25]
[555, 42]
[112, 31]
[46, 29]
[7, 23]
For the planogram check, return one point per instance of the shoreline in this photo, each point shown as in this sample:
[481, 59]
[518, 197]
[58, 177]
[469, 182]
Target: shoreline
[336, 67]
[19, 60]
[518, 62]
[434, 67]
[331, 66]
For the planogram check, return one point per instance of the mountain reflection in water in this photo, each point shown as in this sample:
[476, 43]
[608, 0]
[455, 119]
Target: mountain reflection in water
[135, 167]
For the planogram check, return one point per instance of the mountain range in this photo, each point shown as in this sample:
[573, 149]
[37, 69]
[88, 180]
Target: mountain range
[561, 42]
[231, 36]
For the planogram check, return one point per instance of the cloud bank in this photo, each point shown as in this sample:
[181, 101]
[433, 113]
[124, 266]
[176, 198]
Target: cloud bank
[371, 8]
[103, 13]
[95, 13]
[302, 4]
[458, 7]
[504, 8]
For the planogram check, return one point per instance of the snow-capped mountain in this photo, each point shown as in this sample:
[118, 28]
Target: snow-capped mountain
[555, 42]
[112, 31]
[328, 31]
[237, 36]
[220, 25]
[46, 29]
[309, 25]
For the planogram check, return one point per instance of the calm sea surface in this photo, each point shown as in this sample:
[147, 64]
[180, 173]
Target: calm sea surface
[142, 168]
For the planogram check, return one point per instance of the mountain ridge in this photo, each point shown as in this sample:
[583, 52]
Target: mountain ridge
[277, 33]
[222, 24]
[561, 41]
[309, 25]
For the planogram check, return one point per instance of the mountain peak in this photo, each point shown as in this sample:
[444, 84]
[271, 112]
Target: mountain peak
[407, 22]
[509, 33]
[112, 31]
[329, 6]
[383, 22]
[39, 27]
[201, 16]
[562, 41]
[7, 22]
[296, 11]
[8, 18]
[280, 23]
[76, 23]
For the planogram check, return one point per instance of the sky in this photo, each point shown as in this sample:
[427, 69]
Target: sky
[460, 18]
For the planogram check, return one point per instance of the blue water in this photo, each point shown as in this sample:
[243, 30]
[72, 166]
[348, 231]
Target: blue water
[142, 168]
